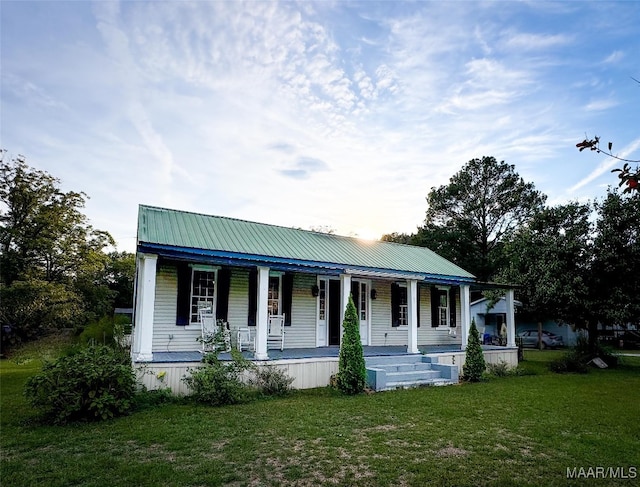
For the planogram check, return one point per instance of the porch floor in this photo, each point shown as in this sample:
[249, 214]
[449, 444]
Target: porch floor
[320, 352]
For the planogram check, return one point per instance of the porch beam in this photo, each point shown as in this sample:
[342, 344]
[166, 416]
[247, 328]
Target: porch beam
[345, 292]
[511, 319]
[412, 316]
[262, 318]
[465, 315]
[145, 305]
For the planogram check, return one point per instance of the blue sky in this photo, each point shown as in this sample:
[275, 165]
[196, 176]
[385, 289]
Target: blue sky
[309, 114]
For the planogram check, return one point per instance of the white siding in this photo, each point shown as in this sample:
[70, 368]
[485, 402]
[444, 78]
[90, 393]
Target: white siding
[302, 332]
[427, 335]
[164, 317]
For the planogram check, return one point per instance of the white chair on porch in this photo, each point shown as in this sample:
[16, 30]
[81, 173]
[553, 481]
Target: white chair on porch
[245, 340]
[275, 335]
[210, 327]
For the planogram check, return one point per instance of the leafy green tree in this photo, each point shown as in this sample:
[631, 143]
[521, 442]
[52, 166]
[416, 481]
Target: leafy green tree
[469, 219]
[482, 204]
[352, 374]
[474, 364]
[49, 253]
[550, 259]
[615, 282]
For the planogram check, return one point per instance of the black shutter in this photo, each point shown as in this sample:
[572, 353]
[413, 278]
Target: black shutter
[253, 297]
[222, 305]
[395, 304]
[355, 294]
[435, 301]
[452, 307]
[418, 303]
[183, 306]
[287, 297]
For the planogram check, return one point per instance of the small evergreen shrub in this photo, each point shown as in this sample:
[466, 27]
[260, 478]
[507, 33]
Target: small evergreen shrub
[218, 383]
[352, 374]
[474, 364]
[90, 384]
[272, 381]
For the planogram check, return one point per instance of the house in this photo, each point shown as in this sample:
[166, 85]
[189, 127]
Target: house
[490, 320]
[409, 300]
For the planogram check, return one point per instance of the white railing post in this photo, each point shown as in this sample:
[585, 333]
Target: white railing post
[465, 315]
[511, 319]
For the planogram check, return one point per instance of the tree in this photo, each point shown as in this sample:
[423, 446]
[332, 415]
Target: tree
[480, 207]
[550, 258]
[352, 373]
[474, 363]
[50, 254]
[628, 176]
[616, 262]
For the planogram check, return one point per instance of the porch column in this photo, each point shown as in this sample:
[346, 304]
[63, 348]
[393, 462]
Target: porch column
[511, 319]
[465, 315]
[412, 316]
[345, 291]
[262, 320]
[145, 304]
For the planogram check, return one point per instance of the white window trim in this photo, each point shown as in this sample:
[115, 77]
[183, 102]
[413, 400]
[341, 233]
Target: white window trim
[202, 268]
[400, 325]
[448, 325]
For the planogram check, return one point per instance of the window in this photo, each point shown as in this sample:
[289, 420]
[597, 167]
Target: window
[399, 308]
[443, 307]
[322, 299]
[274, 299]
[202, 292]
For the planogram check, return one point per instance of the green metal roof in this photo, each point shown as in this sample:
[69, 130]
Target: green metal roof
[181, 229]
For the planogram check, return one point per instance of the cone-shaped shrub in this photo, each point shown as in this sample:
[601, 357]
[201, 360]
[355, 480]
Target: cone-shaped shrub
[352, 373]
[474, 364]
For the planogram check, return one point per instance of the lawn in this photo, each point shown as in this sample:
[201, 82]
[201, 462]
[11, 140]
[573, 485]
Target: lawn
[521, 430]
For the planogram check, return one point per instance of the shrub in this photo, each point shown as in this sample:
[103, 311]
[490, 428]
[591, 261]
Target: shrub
[571, 361]
[474, 364]
[352, 373]
[272, 381]
[92, 383]
[218, 383]
[501, 369]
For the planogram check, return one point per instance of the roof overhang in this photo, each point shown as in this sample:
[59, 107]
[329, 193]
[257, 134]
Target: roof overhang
[220, 257]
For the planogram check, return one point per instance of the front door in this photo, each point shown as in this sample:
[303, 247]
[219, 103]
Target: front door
[360, 294]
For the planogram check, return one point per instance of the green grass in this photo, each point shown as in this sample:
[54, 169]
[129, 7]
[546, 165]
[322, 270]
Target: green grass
[520, 430]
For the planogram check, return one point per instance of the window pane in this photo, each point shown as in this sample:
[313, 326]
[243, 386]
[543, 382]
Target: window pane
[322, 299]
[363, 301]
[274, 295]
[403, 317]
[202, 292]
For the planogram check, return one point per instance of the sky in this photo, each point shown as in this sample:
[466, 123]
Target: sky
[335, 115]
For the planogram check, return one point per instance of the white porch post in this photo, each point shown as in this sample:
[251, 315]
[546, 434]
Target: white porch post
[511, 319]
[262, 320]
[345, 291]
[465, 315]
[412, 316]
[145, 304]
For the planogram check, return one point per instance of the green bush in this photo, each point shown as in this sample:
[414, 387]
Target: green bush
[474, 364]
[93, 383]
[218, 383]
[501, 369]
[272, 381]
[352, 373]
[570, 361]
[104, 331]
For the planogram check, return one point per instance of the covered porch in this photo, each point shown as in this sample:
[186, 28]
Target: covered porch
[310, 367]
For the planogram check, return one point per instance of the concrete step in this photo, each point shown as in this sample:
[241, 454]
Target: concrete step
[395, 359]
[404, 367]
[416, 375]
[419, 383]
